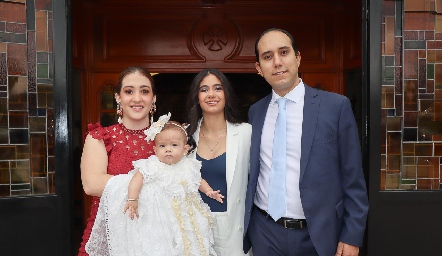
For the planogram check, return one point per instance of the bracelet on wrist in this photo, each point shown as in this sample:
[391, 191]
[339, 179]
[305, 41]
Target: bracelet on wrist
[132, 199]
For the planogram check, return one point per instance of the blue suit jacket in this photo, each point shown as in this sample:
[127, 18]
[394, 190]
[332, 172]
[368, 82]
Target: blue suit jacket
[332, 185]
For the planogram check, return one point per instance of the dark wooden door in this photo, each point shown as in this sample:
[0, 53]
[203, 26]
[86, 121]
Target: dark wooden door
[186, 36]
[178, 38]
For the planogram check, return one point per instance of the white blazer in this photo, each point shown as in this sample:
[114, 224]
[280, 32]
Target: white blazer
[237, 170]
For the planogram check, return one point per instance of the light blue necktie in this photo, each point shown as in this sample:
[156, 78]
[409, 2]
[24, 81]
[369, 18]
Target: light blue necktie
[276, 204]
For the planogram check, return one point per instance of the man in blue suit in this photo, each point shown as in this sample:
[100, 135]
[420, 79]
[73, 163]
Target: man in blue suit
[326, 205]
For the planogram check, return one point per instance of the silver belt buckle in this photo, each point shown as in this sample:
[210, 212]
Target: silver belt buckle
[285, 224]
[301, 225]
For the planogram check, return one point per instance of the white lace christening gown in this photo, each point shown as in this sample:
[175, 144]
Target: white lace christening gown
[173, 218]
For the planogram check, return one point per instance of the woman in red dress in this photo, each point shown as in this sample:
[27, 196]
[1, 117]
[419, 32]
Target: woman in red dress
[110, 150]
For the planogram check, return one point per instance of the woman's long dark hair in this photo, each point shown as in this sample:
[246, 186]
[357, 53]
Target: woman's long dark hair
[194, 112]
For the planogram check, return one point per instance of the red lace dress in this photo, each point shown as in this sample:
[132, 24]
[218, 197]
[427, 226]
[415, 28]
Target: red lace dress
[123, 146]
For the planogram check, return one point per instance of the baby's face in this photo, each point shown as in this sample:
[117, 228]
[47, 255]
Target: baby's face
[170, 146]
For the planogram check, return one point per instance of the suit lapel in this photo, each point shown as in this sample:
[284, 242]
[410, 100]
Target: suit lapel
[232, 145]
[257, 122]
[311, 110]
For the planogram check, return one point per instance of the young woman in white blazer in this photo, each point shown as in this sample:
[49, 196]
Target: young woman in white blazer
[223, 147]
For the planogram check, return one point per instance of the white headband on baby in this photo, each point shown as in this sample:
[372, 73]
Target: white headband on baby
[157, 126]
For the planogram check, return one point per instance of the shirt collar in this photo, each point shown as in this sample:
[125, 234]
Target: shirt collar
[295, 95]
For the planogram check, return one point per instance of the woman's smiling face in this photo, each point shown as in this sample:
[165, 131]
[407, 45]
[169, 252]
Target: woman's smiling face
[136, 98]
[211, 95]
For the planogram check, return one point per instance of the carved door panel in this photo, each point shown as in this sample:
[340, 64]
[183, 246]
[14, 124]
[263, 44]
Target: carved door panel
[181, 37]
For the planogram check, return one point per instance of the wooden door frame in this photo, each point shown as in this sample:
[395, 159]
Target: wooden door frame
[250, 68]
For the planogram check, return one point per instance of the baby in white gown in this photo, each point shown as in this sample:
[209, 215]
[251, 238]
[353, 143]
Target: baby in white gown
[166, 215]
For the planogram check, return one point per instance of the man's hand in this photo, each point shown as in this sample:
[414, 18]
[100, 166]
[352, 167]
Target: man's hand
[347, 250]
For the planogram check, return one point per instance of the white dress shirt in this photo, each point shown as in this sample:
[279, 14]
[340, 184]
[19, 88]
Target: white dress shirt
[295, 107]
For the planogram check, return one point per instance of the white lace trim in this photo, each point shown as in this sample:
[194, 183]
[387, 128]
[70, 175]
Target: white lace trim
[173, 218]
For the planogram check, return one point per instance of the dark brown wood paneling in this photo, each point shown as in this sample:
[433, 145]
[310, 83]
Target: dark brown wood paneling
[352, 34]
[163, 39]
[315, 38]
[91, 103]
[185, 36]
[126, 38]
[78, 30]
[324, 81]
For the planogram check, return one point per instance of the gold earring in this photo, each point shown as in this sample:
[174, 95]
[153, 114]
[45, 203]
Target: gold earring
[152, 111]
[119, 112]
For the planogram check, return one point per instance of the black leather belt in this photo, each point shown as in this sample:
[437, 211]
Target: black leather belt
[288, 223]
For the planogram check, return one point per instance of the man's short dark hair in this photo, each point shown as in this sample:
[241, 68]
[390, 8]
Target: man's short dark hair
[292, 40]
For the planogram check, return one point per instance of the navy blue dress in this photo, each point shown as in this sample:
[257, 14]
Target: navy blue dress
[214, 172]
